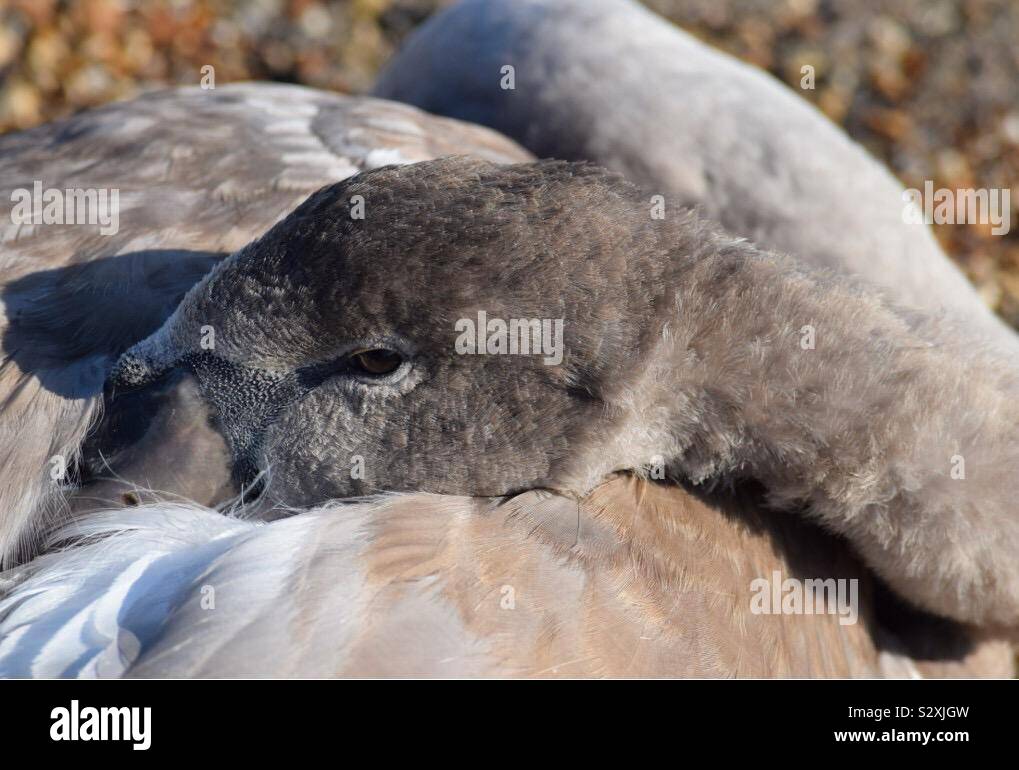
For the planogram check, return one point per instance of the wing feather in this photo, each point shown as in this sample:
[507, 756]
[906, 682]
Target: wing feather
[636, 580]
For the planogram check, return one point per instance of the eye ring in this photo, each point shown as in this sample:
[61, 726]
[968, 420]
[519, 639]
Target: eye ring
[375, 362]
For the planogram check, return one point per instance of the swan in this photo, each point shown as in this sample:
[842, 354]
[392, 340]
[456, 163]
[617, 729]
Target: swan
[333, 339]
[683, 344]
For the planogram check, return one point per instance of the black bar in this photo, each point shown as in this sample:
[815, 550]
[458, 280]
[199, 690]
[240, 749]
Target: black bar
[641, 719]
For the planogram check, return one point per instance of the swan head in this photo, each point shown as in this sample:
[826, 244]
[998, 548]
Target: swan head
[452, 326]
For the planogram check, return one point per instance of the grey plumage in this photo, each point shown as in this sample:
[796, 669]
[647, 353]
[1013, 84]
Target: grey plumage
[200, 173]
[681, 342]
[608, 81]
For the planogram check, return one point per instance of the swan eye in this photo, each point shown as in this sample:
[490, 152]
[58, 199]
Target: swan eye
[377, 362]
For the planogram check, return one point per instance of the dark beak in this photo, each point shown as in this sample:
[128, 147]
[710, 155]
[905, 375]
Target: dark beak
[156, 441]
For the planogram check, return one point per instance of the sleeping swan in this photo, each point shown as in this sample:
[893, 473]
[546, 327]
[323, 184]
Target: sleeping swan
[712, 399]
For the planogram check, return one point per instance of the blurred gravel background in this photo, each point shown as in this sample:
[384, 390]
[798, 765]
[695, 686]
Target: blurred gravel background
[929, 86]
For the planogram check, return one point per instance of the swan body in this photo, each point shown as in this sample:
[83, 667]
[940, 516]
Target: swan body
[652, 583]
